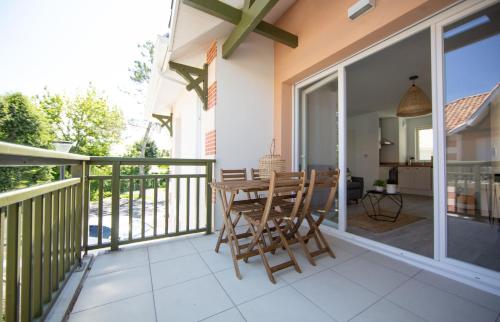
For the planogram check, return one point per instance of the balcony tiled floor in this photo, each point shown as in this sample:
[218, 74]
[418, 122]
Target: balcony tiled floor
[185, 280]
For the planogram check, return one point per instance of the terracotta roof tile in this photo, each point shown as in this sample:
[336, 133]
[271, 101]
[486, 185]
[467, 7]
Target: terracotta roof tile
[459, 111]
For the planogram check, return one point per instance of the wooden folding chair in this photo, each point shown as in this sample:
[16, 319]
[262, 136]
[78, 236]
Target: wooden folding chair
[238, 207]
[282, 186]
[321, 179]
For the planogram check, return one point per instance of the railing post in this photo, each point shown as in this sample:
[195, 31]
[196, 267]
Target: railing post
[85, 208]
[115, 205]
[208, 172]
[78, 171]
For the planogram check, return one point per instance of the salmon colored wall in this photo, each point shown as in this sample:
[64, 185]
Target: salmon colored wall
[326, 36]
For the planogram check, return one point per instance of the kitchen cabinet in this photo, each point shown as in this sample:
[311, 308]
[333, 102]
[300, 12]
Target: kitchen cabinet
[415, 180]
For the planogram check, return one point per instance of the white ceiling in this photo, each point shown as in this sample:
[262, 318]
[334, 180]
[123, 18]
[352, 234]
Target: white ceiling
[378, 82]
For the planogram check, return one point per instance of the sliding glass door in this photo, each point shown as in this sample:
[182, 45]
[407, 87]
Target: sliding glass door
[318, 132]
[471, 73]
[435, 158]
[389, 146]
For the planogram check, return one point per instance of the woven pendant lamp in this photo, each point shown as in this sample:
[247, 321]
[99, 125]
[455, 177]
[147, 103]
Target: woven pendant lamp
[414, 102]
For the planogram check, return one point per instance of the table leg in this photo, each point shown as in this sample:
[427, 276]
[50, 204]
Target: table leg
[232, 239]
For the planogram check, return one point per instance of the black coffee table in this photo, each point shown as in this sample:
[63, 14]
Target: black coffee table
[376, 197]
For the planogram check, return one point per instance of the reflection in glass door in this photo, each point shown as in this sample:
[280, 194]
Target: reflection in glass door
[318, 133]
[472, 124]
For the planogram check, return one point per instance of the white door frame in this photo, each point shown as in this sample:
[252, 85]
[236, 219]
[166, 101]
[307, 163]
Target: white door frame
[473, 275]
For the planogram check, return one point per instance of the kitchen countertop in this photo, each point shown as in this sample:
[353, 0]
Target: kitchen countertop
[415, 164]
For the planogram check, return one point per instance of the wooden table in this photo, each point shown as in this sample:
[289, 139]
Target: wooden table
[232, 238]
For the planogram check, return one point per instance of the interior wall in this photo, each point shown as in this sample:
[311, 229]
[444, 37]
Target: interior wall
[363, 152]
[322, 130]
[327, 36]
[245, 96]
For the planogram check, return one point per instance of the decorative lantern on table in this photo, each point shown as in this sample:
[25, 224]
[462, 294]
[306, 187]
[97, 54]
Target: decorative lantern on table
[271, 162]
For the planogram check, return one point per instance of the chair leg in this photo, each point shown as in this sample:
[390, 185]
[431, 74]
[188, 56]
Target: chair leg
[305, 249]
[223, 230]
[285, 245]
[262, 254]
[324, 241]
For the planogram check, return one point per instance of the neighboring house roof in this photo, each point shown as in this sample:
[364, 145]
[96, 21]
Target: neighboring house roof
[467, 111]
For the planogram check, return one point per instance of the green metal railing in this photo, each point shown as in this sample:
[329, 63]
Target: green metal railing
[183, 210]
[44, 229]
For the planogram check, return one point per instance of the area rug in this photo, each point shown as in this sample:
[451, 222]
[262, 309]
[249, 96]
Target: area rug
[364, 222]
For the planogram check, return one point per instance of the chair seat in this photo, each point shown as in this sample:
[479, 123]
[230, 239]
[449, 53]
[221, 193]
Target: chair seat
[246, 206]
[255, 217]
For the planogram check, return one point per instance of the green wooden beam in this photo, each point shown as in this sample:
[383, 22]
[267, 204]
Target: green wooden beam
[165, 121]
[252, 15]
[233, 15]
[196, 78]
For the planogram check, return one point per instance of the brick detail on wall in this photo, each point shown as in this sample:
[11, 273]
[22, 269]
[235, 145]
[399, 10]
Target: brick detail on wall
[212, 95]
[212, 52]
[210, 143]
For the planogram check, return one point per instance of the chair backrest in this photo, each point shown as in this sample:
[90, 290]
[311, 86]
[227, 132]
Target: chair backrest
[285, 185]
[233, 174]
[328, 179]
[255, 174]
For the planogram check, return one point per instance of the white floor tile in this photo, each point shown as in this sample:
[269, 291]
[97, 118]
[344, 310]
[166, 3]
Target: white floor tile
[341, 255]
[205, 242]
[254, 283]
[391, 263]
[218, 261]
[289, 274]
[170, 250]
[385, 311]
[374, 277]
[137, 308]
[173, 271]
[232, 315]
[472, 294]
[191, 301]
[336, 243]
[286, 304]
[107, 288]
[338, 296]
[436, 305]
[118, 260]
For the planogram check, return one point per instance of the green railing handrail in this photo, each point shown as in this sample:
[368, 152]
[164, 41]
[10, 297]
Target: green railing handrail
[14, 196]
[149, 161]
[18, 150]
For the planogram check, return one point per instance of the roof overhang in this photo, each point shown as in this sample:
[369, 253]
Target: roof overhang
[191, 34]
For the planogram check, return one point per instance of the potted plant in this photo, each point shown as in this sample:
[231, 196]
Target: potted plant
[391, 186]
[379, 185]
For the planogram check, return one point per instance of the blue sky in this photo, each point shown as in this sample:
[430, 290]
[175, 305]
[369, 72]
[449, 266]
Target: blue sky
[64, 45]
[472, 69]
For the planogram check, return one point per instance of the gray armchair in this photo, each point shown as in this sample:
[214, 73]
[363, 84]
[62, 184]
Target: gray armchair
[355, 189]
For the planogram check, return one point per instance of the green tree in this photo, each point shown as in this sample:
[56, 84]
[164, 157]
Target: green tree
[88, 121]
[140, 71]
[22, 123]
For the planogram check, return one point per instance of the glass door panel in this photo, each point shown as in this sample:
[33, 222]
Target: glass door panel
[318, 133]
[472, 122]
[390, 151]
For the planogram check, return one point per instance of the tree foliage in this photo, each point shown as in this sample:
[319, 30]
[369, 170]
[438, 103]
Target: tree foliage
[22, 123]
[140, 71]
[88, 121]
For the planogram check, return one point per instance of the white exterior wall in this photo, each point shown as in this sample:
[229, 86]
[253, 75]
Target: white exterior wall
[187, 126]
[244, 110]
